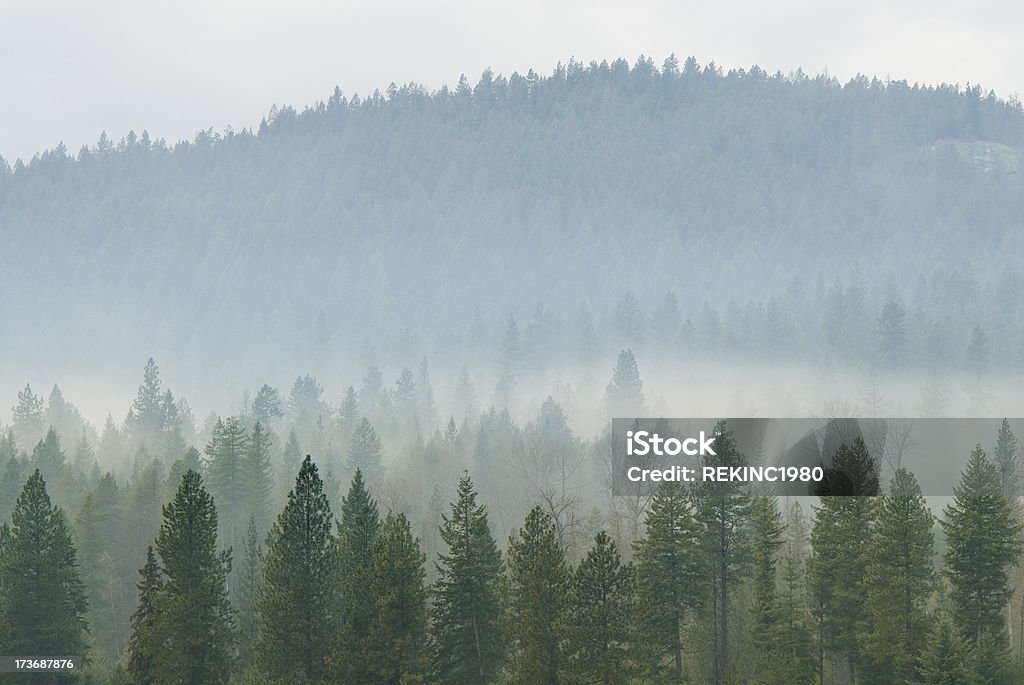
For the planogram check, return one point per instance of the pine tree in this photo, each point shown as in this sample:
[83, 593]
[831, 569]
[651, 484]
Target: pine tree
[97, 523]
[249, 584]
[357, 531]
[266, 407]
[229, 477]
[398, 638]
[538, 580]
[944, 661]
[42, 599]
[468, 640]
[625, 395]
[669, 576]
[260, 480]
[983, 543]
[766, 619]
[598, 636]
[840, 540]
[723, 510]
[1007, 461]
[348, 414]
[298, 595]
[145, 641]
[195, 620]
[28, 416]
[899, 581]
[364, 452]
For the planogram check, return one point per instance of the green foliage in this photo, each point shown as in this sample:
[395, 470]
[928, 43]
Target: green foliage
[538, 580]
[466, 620]
[298, 594]
[898, 581]
[249, 580]
[364, 452]
[398, 638]
[42, 598]
[145, 643]
[598, 631]
[625, 395]
[357, 609]
[670, 578]
[983, 543]
[195, 620]
[768, 531]
[944, 661]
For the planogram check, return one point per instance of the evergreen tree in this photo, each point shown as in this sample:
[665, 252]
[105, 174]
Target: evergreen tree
[723, 510]
[266, 408]
[669, 577]
[898, 581]
[298, 595]
[364, 452]
[357, 531]
[1007, 461]
[983, 543]
[466, 621]
[768, 531]
[625, 394]
[598, 634]
[944, 661]
[249, 585]
[28, 416]
[195, 621]
[292, 456]
[538, 580]
[399, 635]
[260, 481]
[146, 641]
[229, 477]
[892, 336]
[348, 414]
[42, 599]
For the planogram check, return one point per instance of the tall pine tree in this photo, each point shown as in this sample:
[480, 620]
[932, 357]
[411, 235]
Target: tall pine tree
[195, 620]
[468, 641]
[538, 581]
[298, 595]
[145, 641]
[357, 531]
[42, 599]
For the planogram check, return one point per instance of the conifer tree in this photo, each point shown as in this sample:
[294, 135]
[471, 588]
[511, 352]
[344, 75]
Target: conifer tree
[195, 621]
[229, 477]
[266, 407]
[538, 580]
[669, 577]
[467, 636]
[145, 641]
[598, 635]
[723, 510]
[625, 394]
[298, 593]
[357, 531]
[42, 599]
[766, 521]
[983, 543]
[249, 584]
[944, 661]
[399, 636]
[1007, 461]
[364, 452]
[898, 581]
[260, 481]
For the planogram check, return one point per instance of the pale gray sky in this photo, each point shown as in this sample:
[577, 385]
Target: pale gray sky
[71, 69]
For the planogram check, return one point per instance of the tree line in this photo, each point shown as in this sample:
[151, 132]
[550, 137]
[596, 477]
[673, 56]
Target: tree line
[722, 585]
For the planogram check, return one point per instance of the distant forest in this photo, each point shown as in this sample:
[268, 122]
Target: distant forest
[481, 551]
[410, 210]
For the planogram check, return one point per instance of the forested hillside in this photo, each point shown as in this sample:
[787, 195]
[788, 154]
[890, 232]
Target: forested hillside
[412, 210]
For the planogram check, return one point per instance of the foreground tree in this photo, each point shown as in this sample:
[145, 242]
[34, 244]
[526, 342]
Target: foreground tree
[195, 621]
[600, 604]
[538, 581]
[468, 641]
[669, 578]
[42, 600]
[357, 612]
[144, 644]
[765, 612]
[899, 581]
[399, 636]
[297, 595]
[983, 544]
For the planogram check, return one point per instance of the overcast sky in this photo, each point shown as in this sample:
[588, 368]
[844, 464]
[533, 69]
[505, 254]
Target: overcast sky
[71, 69]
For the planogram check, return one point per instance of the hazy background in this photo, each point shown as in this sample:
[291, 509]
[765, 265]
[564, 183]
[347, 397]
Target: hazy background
[71, 70]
